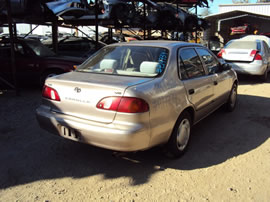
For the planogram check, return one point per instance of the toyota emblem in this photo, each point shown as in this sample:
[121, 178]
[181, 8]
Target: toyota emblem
[77, 89]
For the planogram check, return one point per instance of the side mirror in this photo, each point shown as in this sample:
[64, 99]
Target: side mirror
[226, 67]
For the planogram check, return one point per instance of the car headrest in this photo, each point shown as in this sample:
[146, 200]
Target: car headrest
[108, 64]
[148, 67]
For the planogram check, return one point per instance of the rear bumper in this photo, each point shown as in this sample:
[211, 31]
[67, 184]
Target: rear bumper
[130, 137]
[254, 68]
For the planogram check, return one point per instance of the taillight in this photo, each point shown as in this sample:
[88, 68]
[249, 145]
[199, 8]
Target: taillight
[123, 104]
[258, 57]
[220, 53]
[253, 53]
[50, 93]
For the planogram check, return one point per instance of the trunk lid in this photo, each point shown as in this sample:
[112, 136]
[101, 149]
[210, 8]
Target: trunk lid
[80, 92]
[238, 55]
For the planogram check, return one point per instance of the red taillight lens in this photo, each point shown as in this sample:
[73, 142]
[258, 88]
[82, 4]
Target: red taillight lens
[133, 105]
[220, 53]
[109, 103]
[123, 104]
[50, 93]
[253, 53]
[258, 57]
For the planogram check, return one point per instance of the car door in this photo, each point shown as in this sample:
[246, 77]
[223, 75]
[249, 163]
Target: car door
[220, 78]
[199, 85]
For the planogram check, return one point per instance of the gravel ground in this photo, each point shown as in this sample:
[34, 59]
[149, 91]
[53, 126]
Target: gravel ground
[228, 158]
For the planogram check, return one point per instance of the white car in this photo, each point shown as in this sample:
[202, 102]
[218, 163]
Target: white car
[247, 56]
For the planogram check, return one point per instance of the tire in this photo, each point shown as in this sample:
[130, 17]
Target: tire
[179, 140]
[232, 101]
[264, 77]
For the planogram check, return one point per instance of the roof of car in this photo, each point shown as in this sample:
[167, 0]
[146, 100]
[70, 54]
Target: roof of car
[257, 37]
[161, 43]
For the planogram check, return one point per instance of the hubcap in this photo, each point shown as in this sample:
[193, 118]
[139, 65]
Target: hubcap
[183, 134]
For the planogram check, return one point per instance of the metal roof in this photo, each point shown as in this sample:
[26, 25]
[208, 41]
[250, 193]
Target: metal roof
[234, 13]
[258, 8]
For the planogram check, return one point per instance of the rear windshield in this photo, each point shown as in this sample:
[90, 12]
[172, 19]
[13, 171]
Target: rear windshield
[138, 61]
[243, 45]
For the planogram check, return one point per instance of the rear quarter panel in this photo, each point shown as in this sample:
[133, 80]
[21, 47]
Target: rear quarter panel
[166, 97]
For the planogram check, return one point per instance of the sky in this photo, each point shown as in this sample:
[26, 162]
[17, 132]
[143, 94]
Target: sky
[214, 6]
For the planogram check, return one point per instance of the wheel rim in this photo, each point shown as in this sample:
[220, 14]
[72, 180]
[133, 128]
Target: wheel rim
[183, 134]
[233, 97]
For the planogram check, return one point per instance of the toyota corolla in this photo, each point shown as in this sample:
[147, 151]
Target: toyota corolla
[137, 95]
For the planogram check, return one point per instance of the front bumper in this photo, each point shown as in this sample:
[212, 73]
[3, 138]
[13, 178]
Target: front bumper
[130, 137]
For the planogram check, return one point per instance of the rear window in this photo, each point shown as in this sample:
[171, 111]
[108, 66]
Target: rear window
[141, 61]
[243, 45]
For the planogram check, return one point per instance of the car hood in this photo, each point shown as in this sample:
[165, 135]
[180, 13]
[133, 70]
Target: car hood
[76, 60]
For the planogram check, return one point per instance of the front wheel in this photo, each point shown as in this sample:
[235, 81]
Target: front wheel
[178, 142]
[231, 103]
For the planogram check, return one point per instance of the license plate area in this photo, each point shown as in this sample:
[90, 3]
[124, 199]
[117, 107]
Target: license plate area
[70, 133]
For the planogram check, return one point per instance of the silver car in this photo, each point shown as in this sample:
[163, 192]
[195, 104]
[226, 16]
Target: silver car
[134, 96]
[248, 56]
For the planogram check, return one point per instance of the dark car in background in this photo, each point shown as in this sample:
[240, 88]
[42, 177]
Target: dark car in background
[81, 47]
[34, 62]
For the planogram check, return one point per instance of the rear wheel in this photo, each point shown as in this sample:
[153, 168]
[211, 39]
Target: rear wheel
[231, 103]
[264, 76]
[178, 142]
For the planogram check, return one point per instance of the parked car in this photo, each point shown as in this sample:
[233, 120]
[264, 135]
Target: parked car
[81, 47]
[34, 62]
[247, 56]
[136, 95]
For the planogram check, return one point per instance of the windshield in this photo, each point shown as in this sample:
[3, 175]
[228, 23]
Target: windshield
[142, 61]
[39, 48]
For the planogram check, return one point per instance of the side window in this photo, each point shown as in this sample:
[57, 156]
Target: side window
[259, 46]
[210, 62]
[190, 64]
[19, 49]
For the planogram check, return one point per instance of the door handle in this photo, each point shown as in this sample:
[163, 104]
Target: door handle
[191, 91]
[215, 83]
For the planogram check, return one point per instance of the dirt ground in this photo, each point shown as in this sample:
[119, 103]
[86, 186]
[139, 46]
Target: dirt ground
[228, 158]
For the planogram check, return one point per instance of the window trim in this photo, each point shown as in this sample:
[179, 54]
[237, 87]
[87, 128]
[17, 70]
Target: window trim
[179, 59]
[204, 65]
